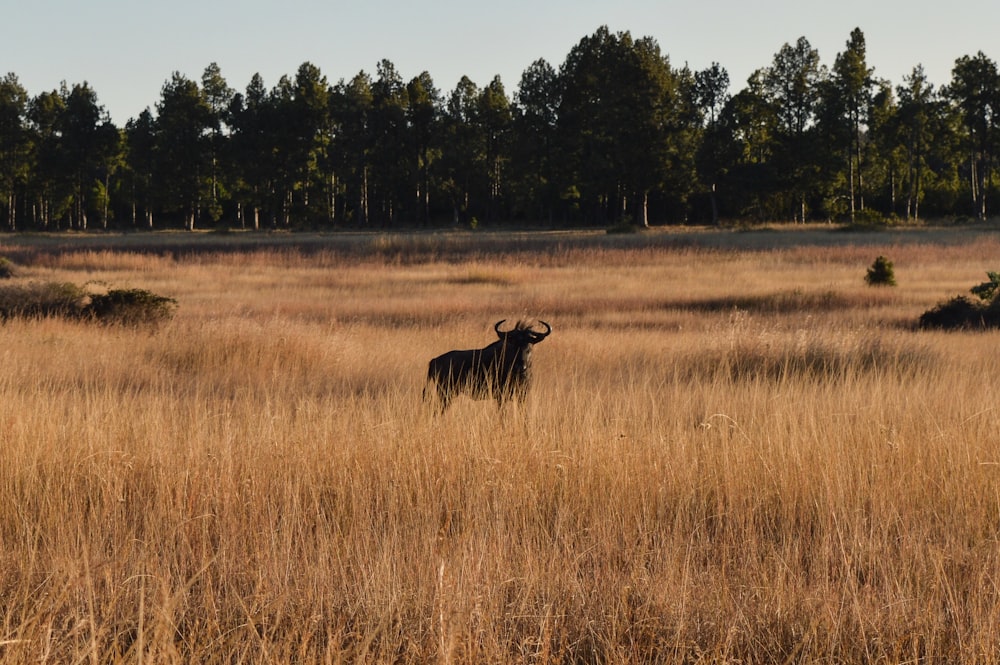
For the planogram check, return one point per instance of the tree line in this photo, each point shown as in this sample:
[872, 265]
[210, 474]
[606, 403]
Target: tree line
[615, 135]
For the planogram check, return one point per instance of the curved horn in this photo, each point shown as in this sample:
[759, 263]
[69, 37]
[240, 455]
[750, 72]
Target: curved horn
[496, 327]
[539, 336]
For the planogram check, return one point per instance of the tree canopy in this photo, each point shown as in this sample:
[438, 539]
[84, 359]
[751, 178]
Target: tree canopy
[614, 134]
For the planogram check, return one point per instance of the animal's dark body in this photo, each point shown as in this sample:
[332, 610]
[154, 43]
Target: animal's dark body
[501, 371]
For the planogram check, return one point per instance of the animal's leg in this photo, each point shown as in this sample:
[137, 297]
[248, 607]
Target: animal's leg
[444, 396]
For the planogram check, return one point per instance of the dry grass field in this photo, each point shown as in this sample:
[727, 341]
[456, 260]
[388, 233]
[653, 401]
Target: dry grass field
[734, 451]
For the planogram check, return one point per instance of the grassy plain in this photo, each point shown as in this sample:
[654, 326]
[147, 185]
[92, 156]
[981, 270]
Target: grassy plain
[735, 451]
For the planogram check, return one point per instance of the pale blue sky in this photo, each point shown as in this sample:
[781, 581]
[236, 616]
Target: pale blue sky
[127, 49]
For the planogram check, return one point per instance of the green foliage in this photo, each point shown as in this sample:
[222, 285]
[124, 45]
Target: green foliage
[962, 312]
[957, 314]
[614, 129]
[988, 290]
[131, 307]
[871, 219]
[626, 225]
[42, 299]
[7, 268]
[881, 273]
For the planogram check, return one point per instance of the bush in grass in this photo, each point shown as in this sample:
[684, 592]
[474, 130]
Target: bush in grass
[130, 307]
[881, 273]
[626, 224]
[7, 268]
[957, 313]
[67, 300]
[962, 312]
[40, 299]
[987, 291]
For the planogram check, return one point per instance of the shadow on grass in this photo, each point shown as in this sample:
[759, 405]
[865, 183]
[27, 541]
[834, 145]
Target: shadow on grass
[816, 360]
[782, 302]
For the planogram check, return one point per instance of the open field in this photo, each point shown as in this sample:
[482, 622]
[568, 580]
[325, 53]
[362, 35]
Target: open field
[735, 451]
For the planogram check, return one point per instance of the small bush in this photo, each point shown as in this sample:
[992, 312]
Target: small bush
[66, 300]
[958, 313]
[7, 268]
[881, 273]
[42, 299]
[963, 312]
[987, 290]
[130, 307]
[625, 225]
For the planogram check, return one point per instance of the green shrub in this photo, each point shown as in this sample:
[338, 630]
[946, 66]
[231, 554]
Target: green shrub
[7, 268]
[625, 225]
[987, 290]
[958, 313]
[40, 299]
[66, 300]
[881, 273]
[130, 307]
[962, 312]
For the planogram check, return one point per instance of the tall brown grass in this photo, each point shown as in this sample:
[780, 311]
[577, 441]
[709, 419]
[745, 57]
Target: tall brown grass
[732, 453]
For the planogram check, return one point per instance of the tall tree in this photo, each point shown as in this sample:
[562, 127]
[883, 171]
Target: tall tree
[663, 131]
[585, 139]
[252, 147]
[219, 97]
[626, 122]
[184, 119]
[282, 134]
[711, 89]
[915, 125]
[389, 138]
[424, 120]
[885, 156]
[792, 84]
[536, 107]
[351, 110]
[975, 89]
[495, 120]
[852, 85]
[140, 146]
[465, 155]
[51, 186]
[91, 144]
[310, 135]
[14, 145]
[742, 147]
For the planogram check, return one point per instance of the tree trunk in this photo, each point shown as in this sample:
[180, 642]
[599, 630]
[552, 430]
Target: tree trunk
[861, 175]
[715, 206]
[850, 172]
[363, 202]
[974, 178]
[104, 214]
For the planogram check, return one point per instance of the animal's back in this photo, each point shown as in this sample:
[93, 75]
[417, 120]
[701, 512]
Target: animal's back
[453, 365]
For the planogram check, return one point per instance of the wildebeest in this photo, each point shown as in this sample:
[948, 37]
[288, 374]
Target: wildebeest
[501, 371]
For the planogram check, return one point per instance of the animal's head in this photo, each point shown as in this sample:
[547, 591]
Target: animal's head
[521, 335]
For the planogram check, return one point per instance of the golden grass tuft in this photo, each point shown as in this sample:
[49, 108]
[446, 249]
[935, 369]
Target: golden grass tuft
[774, 468]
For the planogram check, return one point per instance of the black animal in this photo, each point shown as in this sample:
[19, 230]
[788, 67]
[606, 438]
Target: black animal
[501, 371]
